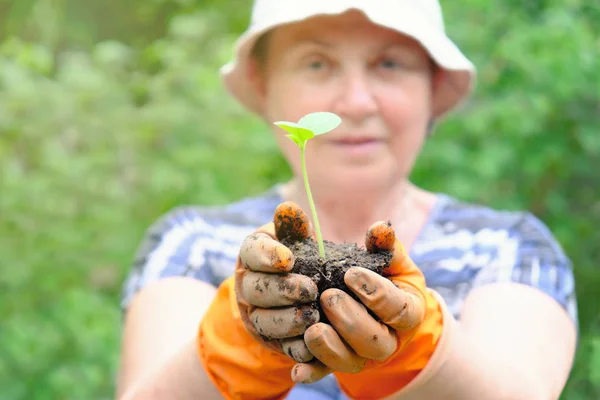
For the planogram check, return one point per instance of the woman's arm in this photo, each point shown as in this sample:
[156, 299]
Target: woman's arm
[159, 358]
[513, 342]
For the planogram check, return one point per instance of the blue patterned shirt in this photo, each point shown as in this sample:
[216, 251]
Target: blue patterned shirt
[462, 246]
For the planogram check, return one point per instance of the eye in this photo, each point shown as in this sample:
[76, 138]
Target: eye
[389, 63]
[316, 65]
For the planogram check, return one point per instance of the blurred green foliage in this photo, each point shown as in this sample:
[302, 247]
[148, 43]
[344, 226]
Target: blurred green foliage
[112, 112]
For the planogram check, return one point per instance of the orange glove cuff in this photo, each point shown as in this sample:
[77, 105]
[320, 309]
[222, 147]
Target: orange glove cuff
[239, 366]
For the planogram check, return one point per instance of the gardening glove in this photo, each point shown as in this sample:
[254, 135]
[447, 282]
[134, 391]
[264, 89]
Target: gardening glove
[251, 335]
[375, 347]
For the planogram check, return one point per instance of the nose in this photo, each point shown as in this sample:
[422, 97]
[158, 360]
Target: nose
[355, 99]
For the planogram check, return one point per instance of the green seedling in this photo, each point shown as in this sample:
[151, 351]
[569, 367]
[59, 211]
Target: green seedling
[306, 128]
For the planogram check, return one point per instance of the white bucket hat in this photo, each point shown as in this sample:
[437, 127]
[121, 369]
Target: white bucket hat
[419, 19]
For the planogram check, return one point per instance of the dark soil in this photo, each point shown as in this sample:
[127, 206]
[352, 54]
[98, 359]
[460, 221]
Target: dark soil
[339, 258]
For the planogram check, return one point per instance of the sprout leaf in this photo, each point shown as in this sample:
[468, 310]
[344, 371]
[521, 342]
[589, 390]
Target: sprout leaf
[320, 122]
[297, 133]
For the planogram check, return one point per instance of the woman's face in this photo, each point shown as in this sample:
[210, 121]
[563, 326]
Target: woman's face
[378, 81]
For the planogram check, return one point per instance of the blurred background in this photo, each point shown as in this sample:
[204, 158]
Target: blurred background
[111, 113]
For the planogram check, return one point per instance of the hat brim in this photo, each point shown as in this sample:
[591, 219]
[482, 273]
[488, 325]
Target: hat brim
[454, 88]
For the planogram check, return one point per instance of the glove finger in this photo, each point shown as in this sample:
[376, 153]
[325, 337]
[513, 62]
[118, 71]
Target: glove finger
[326, 345]
[368, 338]
[291, 222]
[260, 252]
[380, 236]
[278, 290]
[310, 372]
[281, 323]
[402, 265]
[296, 349]
[400, 308]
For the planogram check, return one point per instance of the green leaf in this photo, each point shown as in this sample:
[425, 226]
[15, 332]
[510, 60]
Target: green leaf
[301, 134]
[320, 122]
[296, 139]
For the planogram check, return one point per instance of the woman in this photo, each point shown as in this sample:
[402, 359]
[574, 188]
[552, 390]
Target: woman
[496, 318]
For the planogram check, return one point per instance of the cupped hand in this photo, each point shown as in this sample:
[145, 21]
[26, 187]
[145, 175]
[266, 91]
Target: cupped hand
[354, 337]
[274, 303]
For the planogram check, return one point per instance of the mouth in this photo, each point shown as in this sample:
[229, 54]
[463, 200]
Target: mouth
[355, 141]
[358, 147]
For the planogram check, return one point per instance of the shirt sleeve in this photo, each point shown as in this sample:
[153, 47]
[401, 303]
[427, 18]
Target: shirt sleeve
[172, 246]
[531, 255]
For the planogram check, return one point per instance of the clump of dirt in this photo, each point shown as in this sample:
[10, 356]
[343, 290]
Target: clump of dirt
[340, 257]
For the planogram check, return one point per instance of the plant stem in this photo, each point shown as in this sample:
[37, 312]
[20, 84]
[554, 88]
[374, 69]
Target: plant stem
[311, 202]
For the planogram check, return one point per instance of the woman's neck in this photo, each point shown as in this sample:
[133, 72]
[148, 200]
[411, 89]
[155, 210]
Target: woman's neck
[347, 218]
